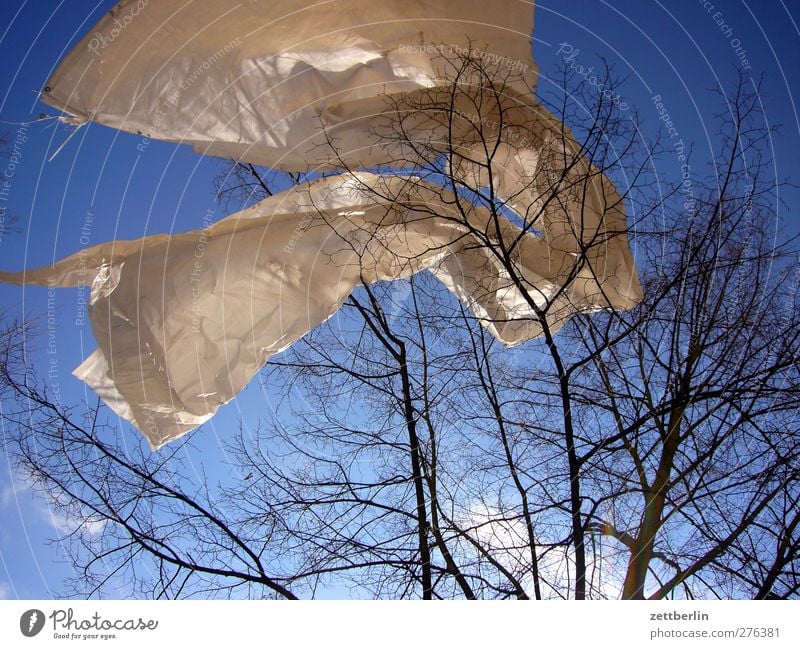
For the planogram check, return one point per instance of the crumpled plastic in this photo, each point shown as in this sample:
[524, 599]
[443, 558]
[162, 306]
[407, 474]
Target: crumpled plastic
[183, 322]
[269, 82]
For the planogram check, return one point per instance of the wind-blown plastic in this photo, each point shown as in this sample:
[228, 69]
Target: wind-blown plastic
[183, 322]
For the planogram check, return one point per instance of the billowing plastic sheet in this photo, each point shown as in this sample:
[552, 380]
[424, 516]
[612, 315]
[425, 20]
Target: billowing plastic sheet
[270, 81]
[183, 322]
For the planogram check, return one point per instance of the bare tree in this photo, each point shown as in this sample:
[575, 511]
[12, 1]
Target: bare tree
[642, 453]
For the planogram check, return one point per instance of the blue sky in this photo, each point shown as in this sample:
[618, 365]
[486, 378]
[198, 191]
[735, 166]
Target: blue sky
[101, 187]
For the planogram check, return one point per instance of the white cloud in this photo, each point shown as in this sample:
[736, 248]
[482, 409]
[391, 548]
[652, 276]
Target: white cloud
[45, 506]
[6, 494]
[504, 533]
[5, 590]
[68, 525]
[10, 492]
